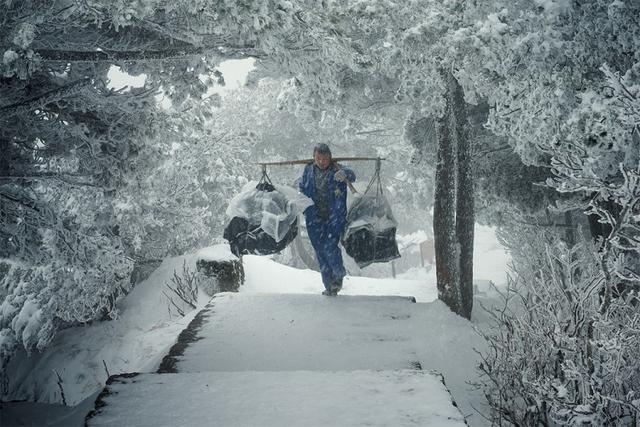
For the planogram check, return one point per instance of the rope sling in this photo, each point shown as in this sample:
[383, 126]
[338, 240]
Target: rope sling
[370, 232]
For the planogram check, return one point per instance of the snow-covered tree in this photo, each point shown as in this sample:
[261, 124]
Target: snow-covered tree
[562, 78]
[64, 155]
[550, 74]
[69, 147]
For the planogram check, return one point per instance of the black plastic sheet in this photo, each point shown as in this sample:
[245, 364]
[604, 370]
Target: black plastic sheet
[366, 246]
[245, 238]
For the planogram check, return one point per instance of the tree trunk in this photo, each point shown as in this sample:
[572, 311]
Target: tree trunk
[454, 218]
[465, 217]
[444, 213]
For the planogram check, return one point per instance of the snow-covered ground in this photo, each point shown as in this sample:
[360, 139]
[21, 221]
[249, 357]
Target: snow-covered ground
[134, 342]
[145, 330]
[275, 398]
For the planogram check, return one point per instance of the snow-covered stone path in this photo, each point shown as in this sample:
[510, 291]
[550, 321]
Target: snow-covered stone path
[280, 332]
[288, 359]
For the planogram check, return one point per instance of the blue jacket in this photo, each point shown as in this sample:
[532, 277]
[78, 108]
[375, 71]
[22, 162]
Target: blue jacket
[338, 197]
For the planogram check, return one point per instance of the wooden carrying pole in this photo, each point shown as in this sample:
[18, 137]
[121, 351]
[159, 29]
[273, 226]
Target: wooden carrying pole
[305, 161]
[333, 160]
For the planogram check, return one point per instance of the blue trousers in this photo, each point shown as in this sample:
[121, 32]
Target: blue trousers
[328, 254]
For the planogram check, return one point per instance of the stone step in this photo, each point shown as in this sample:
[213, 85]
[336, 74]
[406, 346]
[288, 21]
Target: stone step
[291, 398]
[280, 332]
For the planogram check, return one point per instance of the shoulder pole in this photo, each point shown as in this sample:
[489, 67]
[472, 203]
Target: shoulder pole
[334, 160]
[306, 161]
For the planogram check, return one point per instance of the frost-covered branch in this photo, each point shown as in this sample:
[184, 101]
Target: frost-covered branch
[553, 353]
[53, 95]
[111, 56]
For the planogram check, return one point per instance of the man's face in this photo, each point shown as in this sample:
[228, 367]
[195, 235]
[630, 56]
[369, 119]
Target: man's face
[322, 160]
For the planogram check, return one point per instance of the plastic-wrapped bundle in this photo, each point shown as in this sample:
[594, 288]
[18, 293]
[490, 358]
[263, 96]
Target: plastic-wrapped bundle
[370, 235]
[264, 218]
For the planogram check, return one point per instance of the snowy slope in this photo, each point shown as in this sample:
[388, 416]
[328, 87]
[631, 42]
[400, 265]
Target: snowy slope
[145, 330]
[134, 342]
[266, 276]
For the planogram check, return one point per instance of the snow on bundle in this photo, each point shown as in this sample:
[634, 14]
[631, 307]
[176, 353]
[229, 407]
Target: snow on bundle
[370, 234]
[264, 218]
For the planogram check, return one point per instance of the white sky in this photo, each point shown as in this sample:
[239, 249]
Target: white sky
[119, 79]
[235, 72]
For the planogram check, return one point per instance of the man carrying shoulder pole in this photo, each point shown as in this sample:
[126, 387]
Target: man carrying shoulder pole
[325, 182]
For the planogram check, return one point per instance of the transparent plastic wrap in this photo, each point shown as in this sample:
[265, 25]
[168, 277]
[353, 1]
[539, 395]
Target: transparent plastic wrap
[264, 218]
[370, 234]
[372, 211]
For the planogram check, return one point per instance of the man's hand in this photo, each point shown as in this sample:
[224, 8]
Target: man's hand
[340, 176]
